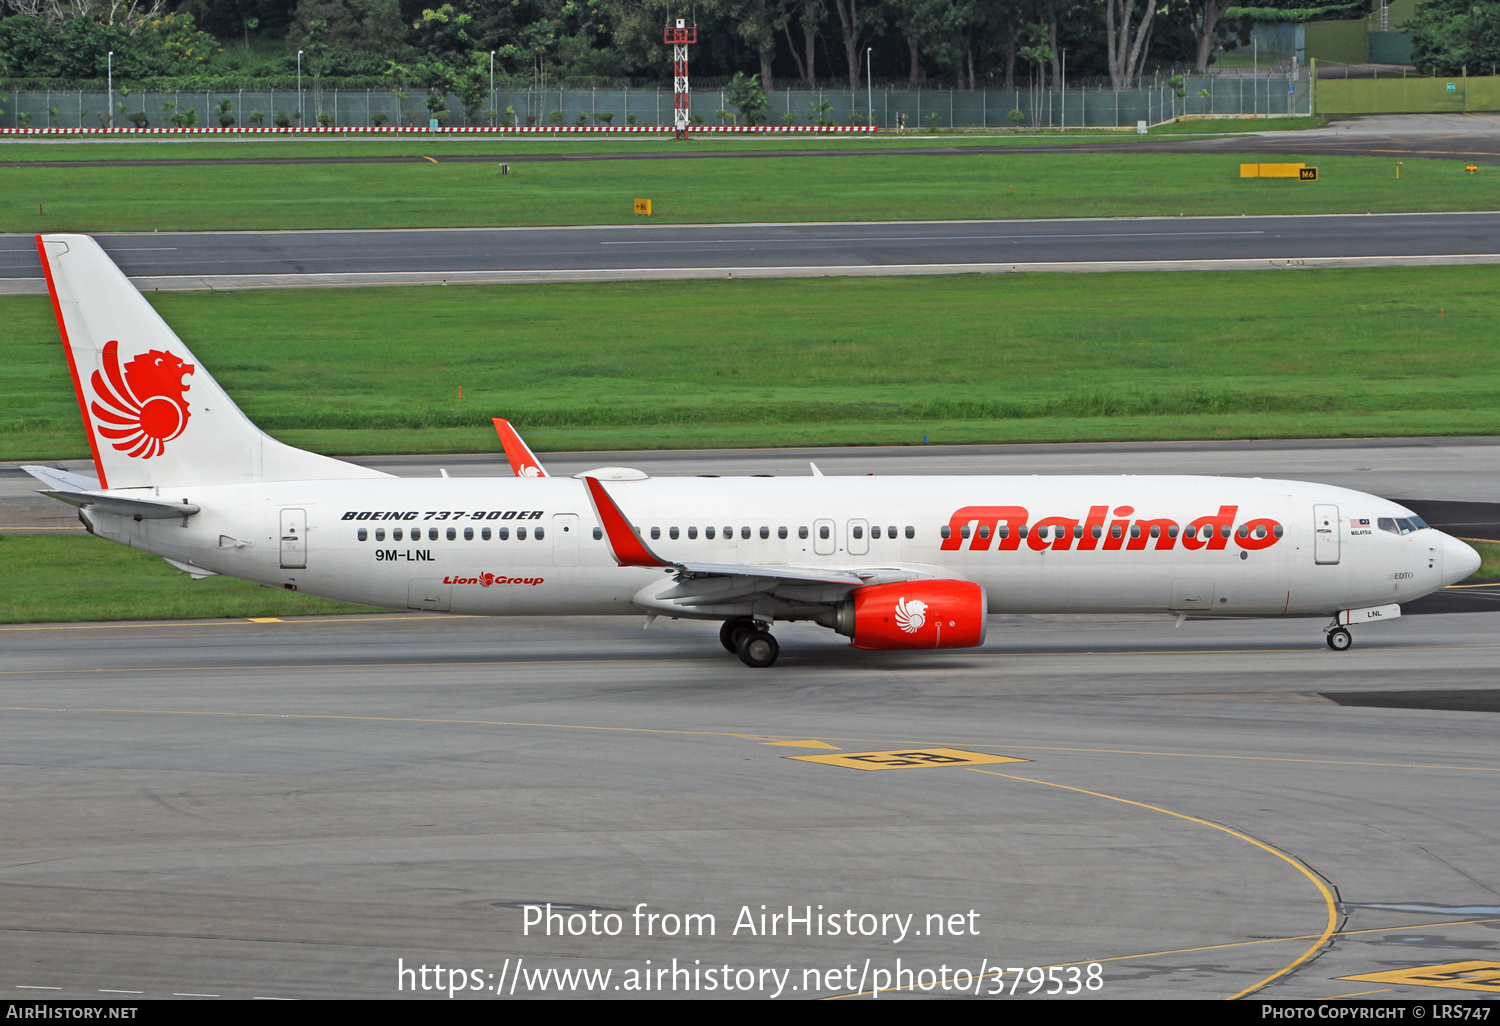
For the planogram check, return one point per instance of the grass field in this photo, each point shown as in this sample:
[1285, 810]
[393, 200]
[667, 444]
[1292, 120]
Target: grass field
[895, 187]
[993, 358]
[54, 580]
[1489, 554]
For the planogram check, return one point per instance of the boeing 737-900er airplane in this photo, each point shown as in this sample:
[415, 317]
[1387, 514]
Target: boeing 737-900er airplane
[891, 563]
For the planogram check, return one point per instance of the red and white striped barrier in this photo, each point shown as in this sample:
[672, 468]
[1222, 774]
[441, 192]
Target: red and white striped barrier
[478, 130]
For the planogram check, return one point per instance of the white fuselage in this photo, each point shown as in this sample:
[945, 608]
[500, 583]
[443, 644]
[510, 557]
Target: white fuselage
[1090, 544]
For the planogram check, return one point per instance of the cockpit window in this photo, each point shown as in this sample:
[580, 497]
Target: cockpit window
[1400, 525]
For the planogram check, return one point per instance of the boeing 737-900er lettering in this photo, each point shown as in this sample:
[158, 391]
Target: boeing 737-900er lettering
[891, 563]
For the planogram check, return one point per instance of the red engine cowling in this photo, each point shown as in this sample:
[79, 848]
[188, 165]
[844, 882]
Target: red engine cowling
[915, 614]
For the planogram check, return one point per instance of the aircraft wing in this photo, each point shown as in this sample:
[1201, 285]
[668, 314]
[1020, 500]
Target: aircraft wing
[700, 586]
[523, 461]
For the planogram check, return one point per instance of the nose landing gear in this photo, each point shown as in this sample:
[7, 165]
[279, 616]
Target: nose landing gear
[750, 641]
[1339, 639]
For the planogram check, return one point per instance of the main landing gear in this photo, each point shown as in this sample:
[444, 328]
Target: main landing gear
[1339, 639]
[750, 641]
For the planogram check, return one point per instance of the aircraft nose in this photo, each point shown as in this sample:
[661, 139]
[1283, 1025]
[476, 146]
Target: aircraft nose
[1459, 560]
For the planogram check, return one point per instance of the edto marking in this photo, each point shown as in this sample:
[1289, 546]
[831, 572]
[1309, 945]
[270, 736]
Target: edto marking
[910, 758]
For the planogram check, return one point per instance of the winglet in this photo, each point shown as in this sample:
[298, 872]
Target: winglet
[522, 460]
[628, 548]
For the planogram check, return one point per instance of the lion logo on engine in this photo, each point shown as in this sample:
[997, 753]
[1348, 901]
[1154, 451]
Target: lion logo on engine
[910, 616]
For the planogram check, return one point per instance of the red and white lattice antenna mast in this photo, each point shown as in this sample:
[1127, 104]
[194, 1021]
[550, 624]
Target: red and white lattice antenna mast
[678, 37]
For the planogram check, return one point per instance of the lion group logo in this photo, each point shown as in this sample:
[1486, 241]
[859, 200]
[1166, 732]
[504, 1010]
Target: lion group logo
[146, 407]
[910, 616]
[530, 471]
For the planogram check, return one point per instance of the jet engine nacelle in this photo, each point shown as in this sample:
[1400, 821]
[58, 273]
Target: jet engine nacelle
[915, 614]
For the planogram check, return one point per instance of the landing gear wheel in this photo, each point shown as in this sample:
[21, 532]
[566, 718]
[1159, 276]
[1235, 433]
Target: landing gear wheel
[1339, 639]
[758, 649]
[729, 634]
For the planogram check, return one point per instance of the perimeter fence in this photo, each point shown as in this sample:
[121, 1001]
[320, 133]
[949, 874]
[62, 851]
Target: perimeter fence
[923, 108]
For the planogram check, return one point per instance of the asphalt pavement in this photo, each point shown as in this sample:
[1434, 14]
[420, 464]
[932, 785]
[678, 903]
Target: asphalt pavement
[199, 260]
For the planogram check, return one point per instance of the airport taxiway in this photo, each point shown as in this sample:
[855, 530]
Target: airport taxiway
[227, 260]
[295, 809]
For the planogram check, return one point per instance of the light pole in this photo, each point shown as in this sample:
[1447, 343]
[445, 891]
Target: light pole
[301, 113]
[111, 72]
[869, 88]
[492, 86]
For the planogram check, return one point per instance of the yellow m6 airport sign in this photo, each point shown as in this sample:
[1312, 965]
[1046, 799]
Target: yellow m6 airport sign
[1301, 172]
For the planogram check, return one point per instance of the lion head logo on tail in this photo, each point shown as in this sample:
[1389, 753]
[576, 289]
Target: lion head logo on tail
[146, 407]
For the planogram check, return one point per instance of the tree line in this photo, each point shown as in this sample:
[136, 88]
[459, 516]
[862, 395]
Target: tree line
[457, 44]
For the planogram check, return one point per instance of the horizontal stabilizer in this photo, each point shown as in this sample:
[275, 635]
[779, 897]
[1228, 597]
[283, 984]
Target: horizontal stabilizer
[136, 509]
[62, 479]
[197, 573]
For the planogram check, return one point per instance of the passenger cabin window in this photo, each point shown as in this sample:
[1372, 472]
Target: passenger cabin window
[520, 534]
[745, 533]
[432, 534]
[823, 532]
[655, 533]
[802, 533]
[396, 534]
[946, 532]
[859, 532]
[380, 534]
[484, 533]
[875, 531]
[765, 532]
[708, 532]
[963, 532]
[452, 533]
[692, 532]
[911, 532]
[540, 533]
[984, 532]
[363, 534]
[672, 533]
[503, 533]
[781, 532]
[598, 533]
